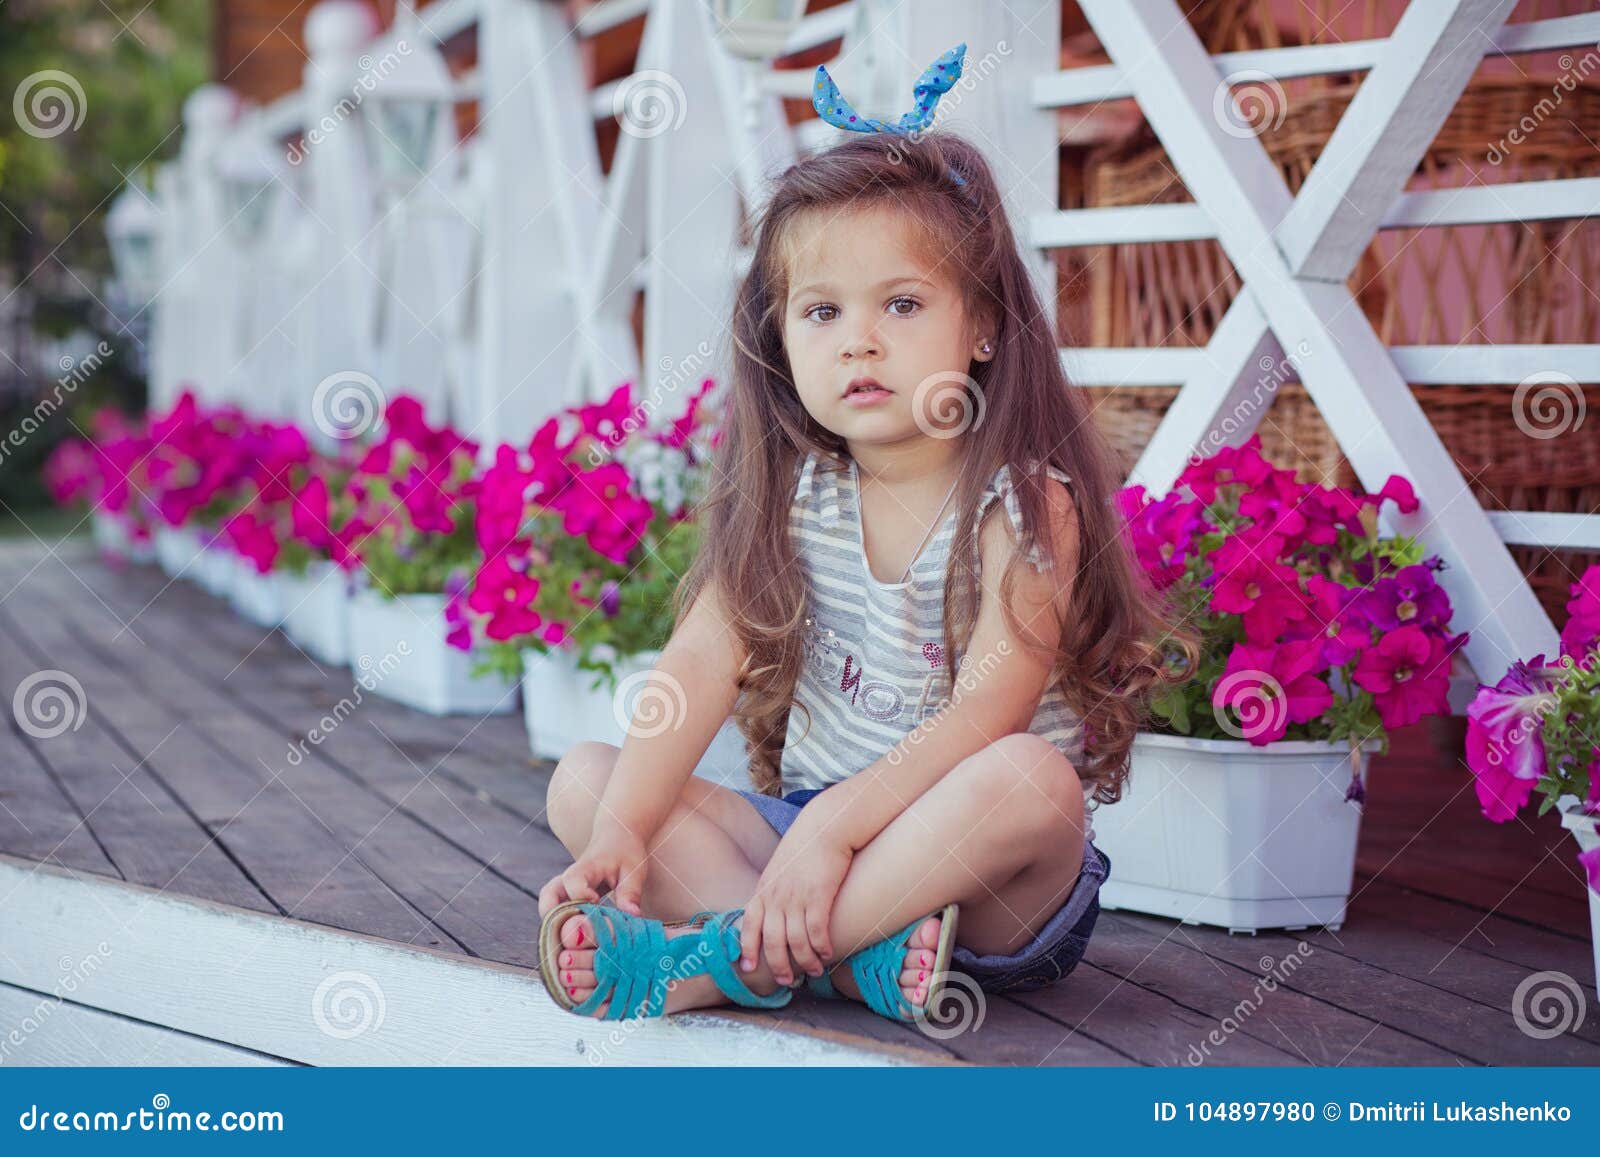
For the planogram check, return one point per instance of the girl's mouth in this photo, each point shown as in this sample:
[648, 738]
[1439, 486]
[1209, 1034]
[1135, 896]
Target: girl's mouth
[865, 393]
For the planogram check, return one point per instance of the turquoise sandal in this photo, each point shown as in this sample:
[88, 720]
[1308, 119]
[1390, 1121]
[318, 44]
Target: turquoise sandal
[876, 969]
[634, 960]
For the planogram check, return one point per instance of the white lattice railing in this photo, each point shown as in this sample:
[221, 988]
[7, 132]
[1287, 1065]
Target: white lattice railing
[504, 284]
[503, 287]
[1295, 252]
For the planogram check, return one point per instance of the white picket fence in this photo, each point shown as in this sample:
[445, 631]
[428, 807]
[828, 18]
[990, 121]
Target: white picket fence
[499, 285]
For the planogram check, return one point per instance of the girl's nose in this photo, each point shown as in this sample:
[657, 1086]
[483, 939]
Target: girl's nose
[862, 345]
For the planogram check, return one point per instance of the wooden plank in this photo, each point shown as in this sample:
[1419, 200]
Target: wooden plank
[1537, 528]
[1546, 868]
[1555, 199]
[1464, 365]
[1450, 882]
[1547, 200]
[515, 849]
[1148, 1027]
[1493, 934]
[498, 814]
[493, 793]
[143, 827]
[1393, 943]
[475, 907]
[1103, 82]
[38, 820]
[1251, 1000]
[47, 1031]
[1480, 1033]
[260, 822]
[310, 995]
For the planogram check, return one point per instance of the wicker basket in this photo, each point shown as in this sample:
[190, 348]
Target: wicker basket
[1484, 283]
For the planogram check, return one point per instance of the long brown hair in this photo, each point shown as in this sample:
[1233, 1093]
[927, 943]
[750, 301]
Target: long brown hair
[1117, 642]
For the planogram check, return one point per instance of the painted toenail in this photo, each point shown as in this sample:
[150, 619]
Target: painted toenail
[580, 935]
[572, 992]
[924, 959]
[567, 976]
[920, 976]
[566, 958]
[919, 992]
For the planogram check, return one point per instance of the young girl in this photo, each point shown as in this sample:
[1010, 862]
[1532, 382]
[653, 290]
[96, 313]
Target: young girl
[913, 592]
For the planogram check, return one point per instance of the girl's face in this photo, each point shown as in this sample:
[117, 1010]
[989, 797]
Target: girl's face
[863, 304]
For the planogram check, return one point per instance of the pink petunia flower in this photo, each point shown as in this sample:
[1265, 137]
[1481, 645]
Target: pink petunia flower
[1408, 673]
[1505, 743]
[1269, 687]
[1580, 638]
[1231, 464]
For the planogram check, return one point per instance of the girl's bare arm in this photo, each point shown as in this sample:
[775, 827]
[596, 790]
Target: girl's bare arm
[689, 695]
[996, 695]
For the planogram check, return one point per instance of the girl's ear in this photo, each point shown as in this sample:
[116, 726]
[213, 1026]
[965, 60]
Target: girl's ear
[983, 350]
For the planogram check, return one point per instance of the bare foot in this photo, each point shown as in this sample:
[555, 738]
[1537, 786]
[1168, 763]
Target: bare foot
[916, 969]
[575, 967]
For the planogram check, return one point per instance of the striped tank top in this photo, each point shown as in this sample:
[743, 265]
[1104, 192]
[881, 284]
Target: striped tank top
[874, 663]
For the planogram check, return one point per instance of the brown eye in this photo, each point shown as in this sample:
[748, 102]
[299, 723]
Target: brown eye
[911, 301]
[811, 313]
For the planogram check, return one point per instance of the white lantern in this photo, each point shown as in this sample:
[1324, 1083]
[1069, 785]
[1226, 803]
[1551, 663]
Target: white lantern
[249, 170]
[756, 30]
[406, 107]
[132, 224]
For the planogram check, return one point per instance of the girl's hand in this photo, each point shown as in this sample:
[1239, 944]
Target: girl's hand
[614, 860]
[789, 913]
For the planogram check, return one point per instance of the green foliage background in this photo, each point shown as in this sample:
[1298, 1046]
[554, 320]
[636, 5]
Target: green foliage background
[135, 62]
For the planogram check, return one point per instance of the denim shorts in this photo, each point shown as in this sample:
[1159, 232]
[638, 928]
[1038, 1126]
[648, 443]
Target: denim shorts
[1055, 949]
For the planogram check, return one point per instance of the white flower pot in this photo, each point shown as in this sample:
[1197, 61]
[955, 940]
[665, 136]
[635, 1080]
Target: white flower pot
[1586, 829]
[112, 536]
[253, 594]
[560, 710]
[213, 569]
[400, 643]
[316, 610]
[177, 550]
[1223, 832]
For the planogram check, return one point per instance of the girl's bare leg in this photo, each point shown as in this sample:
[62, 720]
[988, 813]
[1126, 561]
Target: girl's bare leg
[708, 854]
[1001, 834]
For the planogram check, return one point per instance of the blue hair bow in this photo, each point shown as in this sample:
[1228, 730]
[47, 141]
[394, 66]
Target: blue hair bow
[935, 81]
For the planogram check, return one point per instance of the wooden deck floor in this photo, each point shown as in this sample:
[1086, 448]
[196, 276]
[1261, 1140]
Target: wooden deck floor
[429, 832]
